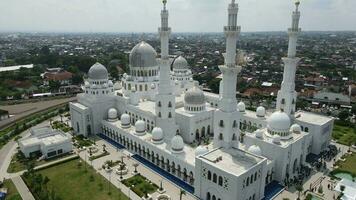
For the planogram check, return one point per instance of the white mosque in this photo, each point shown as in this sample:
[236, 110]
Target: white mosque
[165, 118]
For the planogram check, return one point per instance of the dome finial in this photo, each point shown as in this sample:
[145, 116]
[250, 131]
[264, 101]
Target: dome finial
[297, 3]
[164, 4]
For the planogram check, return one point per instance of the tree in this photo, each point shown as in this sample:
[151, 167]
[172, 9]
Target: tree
[181, 193]
[343, 115]
[299, 188]
[54, 85]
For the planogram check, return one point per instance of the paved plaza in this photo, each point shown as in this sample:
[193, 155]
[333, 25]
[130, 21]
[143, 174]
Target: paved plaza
[115, 154]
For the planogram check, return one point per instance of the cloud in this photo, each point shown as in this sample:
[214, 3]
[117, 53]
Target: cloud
[185, 15]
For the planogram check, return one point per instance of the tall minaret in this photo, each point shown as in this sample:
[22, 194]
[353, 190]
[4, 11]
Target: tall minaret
[287, 96]
[165, 100]
[225, 117]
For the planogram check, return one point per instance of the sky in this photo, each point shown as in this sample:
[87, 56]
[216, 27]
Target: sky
[185, 15]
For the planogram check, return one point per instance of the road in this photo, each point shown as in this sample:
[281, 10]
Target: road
[22, 188]
[19, 111]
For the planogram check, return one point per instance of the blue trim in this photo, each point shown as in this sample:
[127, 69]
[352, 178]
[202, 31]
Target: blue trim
[272, 189]
[152, 166]
[111, 141]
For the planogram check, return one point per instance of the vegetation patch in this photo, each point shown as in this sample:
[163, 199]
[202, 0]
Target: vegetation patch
[99, 155]
[347, 166]
[81, 141]
[76, 180]
[14, 130]
[19, 162]
[344, 134]
[140, 185]
[12, 193]
[61, 126]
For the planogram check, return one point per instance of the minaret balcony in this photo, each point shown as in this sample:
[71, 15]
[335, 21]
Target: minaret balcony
[164, 29]
[232, 28]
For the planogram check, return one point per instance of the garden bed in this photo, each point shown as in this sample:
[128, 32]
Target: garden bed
[140, 185]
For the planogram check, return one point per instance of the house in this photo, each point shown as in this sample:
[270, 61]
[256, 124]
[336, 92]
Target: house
[57, 74]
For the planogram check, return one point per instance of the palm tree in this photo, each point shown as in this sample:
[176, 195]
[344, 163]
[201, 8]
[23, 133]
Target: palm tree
[299, 188]
[182, 192]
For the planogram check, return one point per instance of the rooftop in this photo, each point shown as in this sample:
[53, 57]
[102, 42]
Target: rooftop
[312, 118]
[234, 161]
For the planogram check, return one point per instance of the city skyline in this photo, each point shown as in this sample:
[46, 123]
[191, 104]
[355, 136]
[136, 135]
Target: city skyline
[187, 16]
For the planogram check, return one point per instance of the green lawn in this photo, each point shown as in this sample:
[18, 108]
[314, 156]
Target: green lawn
[71, 182]
[344, 135]
[349, 165]
[12, 193]
[140, 184]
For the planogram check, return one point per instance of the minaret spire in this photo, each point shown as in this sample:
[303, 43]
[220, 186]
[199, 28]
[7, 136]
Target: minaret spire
[225, 118]
[287, 95]
[165, 99]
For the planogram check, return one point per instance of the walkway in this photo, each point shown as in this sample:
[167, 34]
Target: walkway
[171, 188]
[22, 188]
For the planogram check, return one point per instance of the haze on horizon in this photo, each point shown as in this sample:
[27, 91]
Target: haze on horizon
[185, 15]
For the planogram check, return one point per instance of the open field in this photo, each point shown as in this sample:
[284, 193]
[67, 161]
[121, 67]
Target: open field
[344, 135]
[349, 164]
[71, 180]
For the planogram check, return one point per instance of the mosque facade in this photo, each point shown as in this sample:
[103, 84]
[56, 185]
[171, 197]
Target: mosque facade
[210, 141]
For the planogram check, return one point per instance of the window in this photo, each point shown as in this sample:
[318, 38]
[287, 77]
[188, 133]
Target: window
[234, 125]
[220, 181]
[169, 105]
[221, 136]
[248, 181]
[159, 114]
[159, 104]
[214, 178]
[234, 137]
[169, 115]
[209, 175]
[208, 197]
[306, 129]
[221, 123]
[283, 101]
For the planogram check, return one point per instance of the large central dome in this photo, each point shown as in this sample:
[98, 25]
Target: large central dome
[143, 55]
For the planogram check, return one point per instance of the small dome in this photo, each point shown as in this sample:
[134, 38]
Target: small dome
[125, 120]
[110, 83]
[260, 111]
[177, 144]
[98, 71]
[259, 133]
[104, 85]
[200, 150]
[295, 128]
[276, 139]
[87, 84]
[180, 63]
[278, 122]
[143, 55]
[194, 96]
[255, 150]
[112, 114]
[153, 86]
[140, 126]
[117, 86]
[157, 135]
[241, 106]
